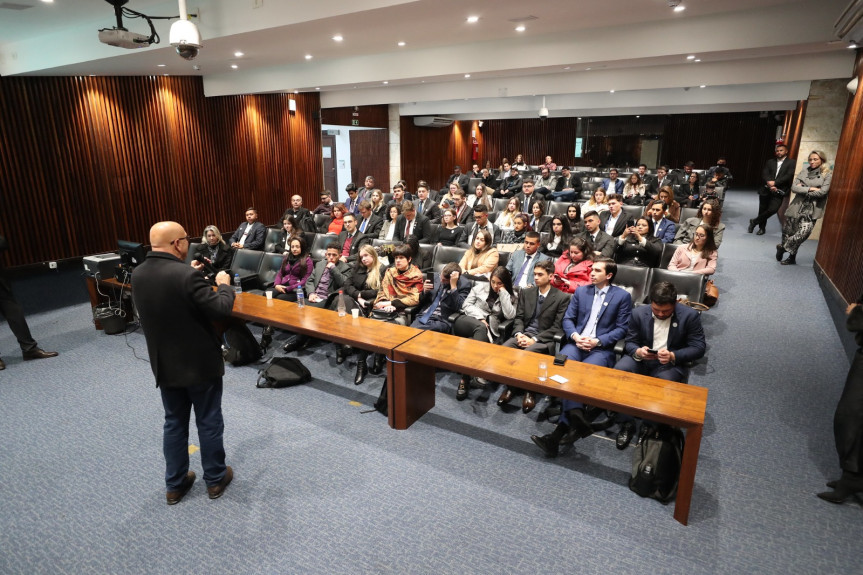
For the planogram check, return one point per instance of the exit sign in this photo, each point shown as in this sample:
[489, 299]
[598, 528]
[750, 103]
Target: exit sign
[355, 122]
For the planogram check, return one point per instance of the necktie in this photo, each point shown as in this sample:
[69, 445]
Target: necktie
[420, 210]
[594, 314]
[363, 226]
[408, 228]
[521, 271]
[427, 315]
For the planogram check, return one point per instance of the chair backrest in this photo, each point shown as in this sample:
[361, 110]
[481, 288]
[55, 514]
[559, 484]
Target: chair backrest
[556, 208]
[444, 255]
[434, 231]
[667, 253]
[388, 196]
[503, 258]
[492, 217]
[319, 247]
[686, 213]
[246, 263]
[633, 279]
[499, 204]
[273, 235]
[471, 185]
[193, 247]
[689, 284]
[633, 212]
[320, 219]
[268, 269]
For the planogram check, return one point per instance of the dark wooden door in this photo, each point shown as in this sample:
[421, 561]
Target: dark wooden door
[328, 145]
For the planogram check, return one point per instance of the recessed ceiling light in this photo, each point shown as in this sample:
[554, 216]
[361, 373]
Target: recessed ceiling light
[679, 8]
[698, 59]
[852, 46]
[691, 57]
[587, 68]
[566, 68]
[338, 38]
[238, 54]
[520, 28]
[161, 65]
[234, 66]
[611, 91]
[638, 116]
[386, 81]
[472, 19]
[308, 56]
[48, 1]
[166, 74]
[703, 86]
[296, 91]
[467, 75]
[318, 88]
[401, 43]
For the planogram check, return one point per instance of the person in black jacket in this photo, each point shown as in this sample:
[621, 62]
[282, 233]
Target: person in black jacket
[177, 306]
[14, 314]
[251, 235]
[213, 253]
[637, 246]
[778, 175]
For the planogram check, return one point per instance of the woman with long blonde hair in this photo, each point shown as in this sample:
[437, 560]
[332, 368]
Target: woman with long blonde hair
[810, 187]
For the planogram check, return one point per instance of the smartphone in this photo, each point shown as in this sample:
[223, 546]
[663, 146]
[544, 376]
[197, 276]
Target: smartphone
[430, 276]
[630, 223]
[653, 351]
[560, 359]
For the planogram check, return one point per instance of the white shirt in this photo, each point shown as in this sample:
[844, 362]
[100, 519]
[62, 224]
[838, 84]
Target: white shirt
[660, 332]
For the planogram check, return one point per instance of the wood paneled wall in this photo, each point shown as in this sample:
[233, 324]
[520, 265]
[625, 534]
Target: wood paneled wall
[840, 246]
[370, 156]
[87, 160]
[745, 139]
[366, 116]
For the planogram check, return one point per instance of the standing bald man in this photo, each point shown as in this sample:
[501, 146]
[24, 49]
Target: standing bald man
[176, 307]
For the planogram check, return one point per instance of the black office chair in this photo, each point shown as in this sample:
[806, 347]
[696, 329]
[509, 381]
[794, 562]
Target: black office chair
[503, 258]
[193, 247]
[434, 231]
[444, 255]
[499, 204]
[471, 185]
[246, 264]
[689, 284]
[556, 208]
[318, 248]
[267, 271]
[320, 220]
[667, 253]
[633, 212]
[273, 236]
[686, 213]
[634, 280]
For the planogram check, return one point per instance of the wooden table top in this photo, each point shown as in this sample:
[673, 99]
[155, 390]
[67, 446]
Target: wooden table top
[368, 334]
[648, 397]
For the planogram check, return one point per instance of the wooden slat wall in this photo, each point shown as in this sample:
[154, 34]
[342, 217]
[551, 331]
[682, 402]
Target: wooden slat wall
[85, 161]
[368, 116]
[370, 156]
[430, 153]
[840, 246]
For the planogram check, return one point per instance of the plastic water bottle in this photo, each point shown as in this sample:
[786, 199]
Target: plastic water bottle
[238, 286]
[340, 306]
[301, 297]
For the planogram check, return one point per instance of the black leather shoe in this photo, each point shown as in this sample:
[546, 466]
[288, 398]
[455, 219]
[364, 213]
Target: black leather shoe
[833, 483]
[174, 497]
[839, 494]
[789, 261]
[362, 370]
[751, 227]
[463, 388]
[342, 353]
[2, 365]
[38, 353]
[266, 337]
[216, 491]
[378, 364]
[760, 232]
[528, 403]
[294, 343]
[547, 443]
[505, 397]
[624, 436]
[780, 251]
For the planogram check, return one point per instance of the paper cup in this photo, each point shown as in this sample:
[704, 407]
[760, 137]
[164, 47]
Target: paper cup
[355, 313]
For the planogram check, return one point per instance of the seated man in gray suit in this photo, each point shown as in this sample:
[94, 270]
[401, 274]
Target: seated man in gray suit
[369, 224]
[351, 240]
[522, 262]
[250, 235]
[603, 244]
[538, 318]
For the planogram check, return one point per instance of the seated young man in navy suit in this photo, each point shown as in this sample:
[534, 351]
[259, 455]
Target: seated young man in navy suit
[597, 317]
[666, 327]
[442, 298]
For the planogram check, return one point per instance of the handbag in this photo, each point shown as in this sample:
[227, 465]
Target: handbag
[283, 372]
[711, 294]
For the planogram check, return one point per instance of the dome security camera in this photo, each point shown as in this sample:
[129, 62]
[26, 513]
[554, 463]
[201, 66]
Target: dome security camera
[186, 38]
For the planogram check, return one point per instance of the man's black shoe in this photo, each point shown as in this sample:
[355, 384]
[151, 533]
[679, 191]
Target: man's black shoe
[624, 436]
[547, 443]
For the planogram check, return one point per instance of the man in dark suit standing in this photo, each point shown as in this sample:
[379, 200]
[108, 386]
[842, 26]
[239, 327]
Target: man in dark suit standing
[670, 329]
[350, 240]
[176, 306]
[369, 224]
[251, 234]
[597, 316]
[14, 314]
[538, 319]
[778, 174]
[412, 223]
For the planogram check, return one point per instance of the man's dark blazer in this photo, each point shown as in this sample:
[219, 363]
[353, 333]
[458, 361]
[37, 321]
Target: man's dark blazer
[509, 187]
[299, 214]
[563, 183]
[360, 240]
[618, 186]
[655, 184]
[431, 210]
[613, 320]
[466, 215]
[450, 303]
[340, 275]
[665, 230]
[177, 306]
[373, 228]
[421, 228]
[532, 199]
[255, 239]
[462, 179]
[490, 182]
[470, 233]
[783, 179]
[685, 336]
[550, 314]
[619, 225]
[604, 243]
[516, 260]
[543, 224]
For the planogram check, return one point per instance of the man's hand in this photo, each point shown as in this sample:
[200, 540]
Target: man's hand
[330, 265]
[222, 278]
[343, 259]
[453, 280]
[664, 356]
[644, 353]
[428, 285]
[314, 298]
[524, 340]
[236, 245]
[586, 343]
[197, 265]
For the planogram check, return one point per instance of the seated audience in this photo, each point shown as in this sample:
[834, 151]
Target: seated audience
[661, 180]
[399, 196]
[482, 195]
[613, 220]
[214, 253]
[388, 230]
[663, 228]
[709, 214]
[612, 184]
[290, 230]
[637, 246]
[602, 243]
[597, 202]
[251, 234]
[378, 204]
[567, 187]
[517, 234]
[410, 223]
[688, 194]
[297, 210]
[487, 306]
[294, 271]
[560, 237]
[539, 222]
[462, 180]
[549, 164]
[367, 222]
[440, 299]
[596, 318]
[350, 240]
[449, 233]
[634, 192]
[463, 212]
[699, 256]
[506, 219]
[538, 319]
[522, 261]
[326, 203]
[660, 341]
[423, 259]
[573, 214]
[481, 222]
[482, 257]
[545, 182]
[672, 208]
[528, 197]
[519, 164]
[510, 186]
[572, 269]
[353, 202]
[489, 180]
[425, 205]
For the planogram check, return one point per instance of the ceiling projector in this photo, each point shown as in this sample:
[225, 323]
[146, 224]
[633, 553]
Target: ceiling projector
[123, 38]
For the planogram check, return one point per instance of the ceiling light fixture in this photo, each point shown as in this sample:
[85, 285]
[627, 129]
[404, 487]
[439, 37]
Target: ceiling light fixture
[703, 86]
[308, 56]
[467, 75]
[691, 57]
[401, 43]
[386, 82]
[338, 38]
[698, 60]
[566, 68]
[852, 46]
[318, 88]
[611, 91]
[234, 66]
[238, 54]
[161, 65]
[520, 28]
[679, 8]
[472, 19]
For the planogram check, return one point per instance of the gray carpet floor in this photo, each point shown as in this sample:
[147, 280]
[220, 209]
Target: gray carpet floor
[321, 487]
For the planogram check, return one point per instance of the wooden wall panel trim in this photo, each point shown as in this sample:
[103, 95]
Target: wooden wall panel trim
[91, 160]
[367, 116]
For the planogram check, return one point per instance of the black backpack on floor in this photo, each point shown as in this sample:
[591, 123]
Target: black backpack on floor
[239, 345]
[283, 372]
[656, 463]
[382, 404]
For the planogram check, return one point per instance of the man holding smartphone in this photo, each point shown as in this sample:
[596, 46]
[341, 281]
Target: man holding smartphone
[439, 302]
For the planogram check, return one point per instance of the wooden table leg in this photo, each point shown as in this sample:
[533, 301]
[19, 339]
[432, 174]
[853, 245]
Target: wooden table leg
[686, 481]
[410, 393]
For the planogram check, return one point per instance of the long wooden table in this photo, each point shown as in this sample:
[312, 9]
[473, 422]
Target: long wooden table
[668, 402]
